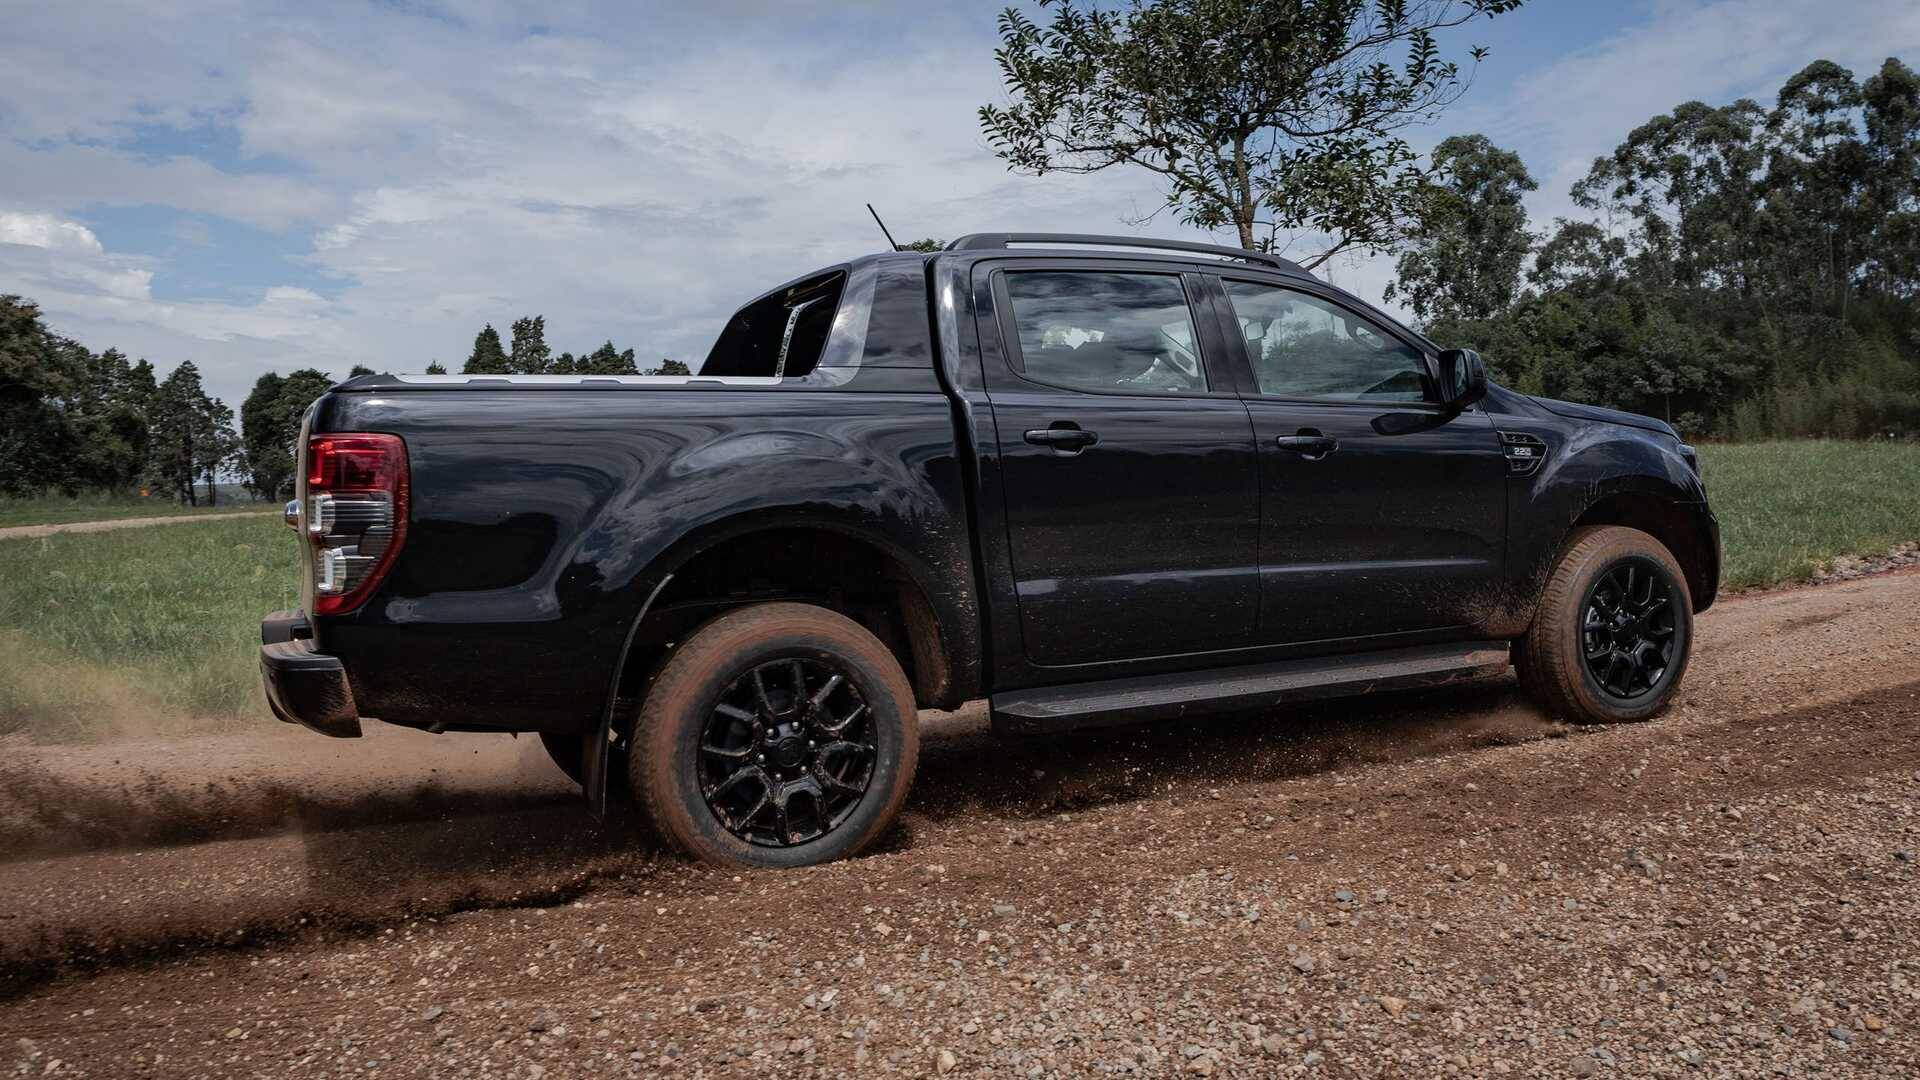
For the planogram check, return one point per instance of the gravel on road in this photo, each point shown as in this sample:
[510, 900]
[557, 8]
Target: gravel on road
[1415, 885]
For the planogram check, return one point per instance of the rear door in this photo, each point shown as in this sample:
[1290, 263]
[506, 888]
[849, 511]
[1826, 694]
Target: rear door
[1127, 463]
[1382, 512]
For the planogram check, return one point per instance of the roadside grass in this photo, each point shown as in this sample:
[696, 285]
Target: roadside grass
[1786, 508]
[154, 631]
[59, 509]
[139, 631]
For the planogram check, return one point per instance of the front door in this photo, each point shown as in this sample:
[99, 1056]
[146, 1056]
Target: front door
[1128, 469]
[1382, 512]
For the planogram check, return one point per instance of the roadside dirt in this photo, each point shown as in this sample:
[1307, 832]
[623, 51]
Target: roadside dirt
[34, 532]
[1441, 884]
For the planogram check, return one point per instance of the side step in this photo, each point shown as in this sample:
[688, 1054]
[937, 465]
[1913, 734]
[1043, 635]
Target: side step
[1253, 686]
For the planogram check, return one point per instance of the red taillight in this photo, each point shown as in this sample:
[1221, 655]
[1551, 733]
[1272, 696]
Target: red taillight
[355, 513]
[356, 462]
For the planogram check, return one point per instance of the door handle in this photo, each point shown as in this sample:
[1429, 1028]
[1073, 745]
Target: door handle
[1068, 440]
[1308, 444]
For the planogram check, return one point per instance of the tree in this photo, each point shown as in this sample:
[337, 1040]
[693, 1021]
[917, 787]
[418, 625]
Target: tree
[670, 367]
[270, 428]
[1891, 105]
[529, 354]
[1746, 271]
[928, 245]
[488, 358]
[436, 368]
[181, 429]
[36, 439]
[219, 448]
[605, 360]
[1255, 114]
[359, 370]
[1469, 241]
[267, 464]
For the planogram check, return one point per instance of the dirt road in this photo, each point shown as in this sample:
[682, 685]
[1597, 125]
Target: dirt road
[34, 532]
[1410, 886]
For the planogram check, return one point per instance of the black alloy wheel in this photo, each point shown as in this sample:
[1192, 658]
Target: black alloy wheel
[1627, 632]
[787, 753]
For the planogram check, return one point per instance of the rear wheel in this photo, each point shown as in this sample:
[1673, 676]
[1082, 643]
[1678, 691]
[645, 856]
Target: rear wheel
[777, 735]
[1611, 637]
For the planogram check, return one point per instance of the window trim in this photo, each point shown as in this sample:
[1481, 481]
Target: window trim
[1220, 383]
[1229, 327]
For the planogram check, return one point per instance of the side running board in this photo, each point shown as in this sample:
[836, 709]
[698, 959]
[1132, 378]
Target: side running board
[1253, 686]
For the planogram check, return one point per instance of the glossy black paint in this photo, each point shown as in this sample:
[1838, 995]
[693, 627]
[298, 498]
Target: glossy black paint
[1186, 539]
[543, 515]
[1142, 543]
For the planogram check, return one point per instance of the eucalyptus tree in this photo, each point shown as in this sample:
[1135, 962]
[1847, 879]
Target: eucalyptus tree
[1468, 243]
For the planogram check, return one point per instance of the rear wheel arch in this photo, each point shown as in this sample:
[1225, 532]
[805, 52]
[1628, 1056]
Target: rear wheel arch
[830, 565]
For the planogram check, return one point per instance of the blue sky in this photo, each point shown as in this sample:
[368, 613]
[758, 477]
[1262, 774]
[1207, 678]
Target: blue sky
[258, 186]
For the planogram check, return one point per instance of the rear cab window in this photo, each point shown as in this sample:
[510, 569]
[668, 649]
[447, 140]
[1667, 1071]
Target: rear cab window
[781, 334]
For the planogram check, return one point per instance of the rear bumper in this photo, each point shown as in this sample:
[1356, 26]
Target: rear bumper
[305, 686]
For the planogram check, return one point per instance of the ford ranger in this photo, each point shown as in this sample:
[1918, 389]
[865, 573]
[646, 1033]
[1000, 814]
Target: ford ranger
[1093, 480]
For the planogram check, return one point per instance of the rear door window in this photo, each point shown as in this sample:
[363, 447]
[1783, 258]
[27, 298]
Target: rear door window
[1102, 330]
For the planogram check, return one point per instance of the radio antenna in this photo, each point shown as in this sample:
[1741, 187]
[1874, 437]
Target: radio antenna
[891, 243]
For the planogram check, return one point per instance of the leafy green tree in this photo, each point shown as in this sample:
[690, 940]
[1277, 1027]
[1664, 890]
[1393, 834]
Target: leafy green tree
[1747, 270]
[670, 367]
[529, 354]
[1256, 115]
[270, 429]
[36, 438]
[219, 448]
[606, 360]
[1464, 253]
[267, 464]
[359, 370]
[182, 432]
[1891, 106]
[488, 357]
[928, 245]
[436, 368]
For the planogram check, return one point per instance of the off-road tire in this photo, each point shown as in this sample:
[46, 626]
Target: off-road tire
[665, 765]
[1551, 660]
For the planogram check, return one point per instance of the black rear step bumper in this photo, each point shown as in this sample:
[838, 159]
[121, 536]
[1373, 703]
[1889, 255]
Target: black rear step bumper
[305, 686]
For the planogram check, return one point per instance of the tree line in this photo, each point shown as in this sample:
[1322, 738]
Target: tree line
[529, 354]
[74, 420]
[1742, 270]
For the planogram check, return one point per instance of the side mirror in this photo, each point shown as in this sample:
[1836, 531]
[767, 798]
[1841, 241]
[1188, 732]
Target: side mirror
[1463, 378]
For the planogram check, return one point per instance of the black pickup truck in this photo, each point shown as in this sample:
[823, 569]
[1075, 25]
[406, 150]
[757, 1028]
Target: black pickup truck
[1093, 480]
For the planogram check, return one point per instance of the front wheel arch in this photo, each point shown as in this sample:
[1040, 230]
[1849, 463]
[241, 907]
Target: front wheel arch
[1678, 526]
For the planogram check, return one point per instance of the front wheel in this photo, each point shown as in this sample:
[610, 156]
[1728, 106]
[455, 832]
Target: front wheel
[1611, 637]
[777, 735]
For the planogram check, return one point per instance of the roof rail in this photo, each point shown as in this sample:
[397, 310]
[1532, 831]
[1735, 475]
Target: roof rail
[996, 241]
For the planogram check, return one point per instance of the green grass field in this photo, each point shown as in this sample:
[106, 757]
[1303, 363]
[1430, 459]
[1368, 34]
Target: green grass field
[1787, 507]
[142, 630]
[154, 630]
[58, 509]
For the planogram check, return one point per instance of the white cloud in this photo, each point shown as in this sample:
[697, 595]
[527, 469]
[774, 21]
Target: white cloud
[101, 298]
[638, 179]
[47, 231]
